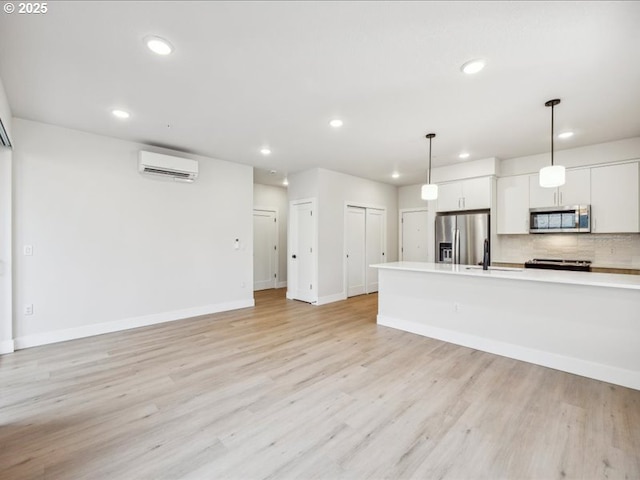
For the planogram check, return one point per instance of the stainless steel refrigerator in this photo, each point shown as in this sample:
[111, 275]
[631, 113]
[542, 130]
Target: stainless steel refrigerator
[460, 238]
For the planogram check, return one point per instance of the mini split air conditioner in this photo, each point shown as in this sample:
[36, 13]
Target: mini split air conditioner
[180, 169]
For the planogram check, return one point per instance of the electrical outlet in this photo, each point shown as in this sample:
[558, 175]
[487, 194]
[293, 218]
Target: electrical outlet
[456, 307]
[28, 309]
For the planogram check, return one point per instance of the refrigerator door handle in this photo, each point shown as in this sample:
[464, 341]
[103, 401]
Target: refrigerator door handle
[456, 246]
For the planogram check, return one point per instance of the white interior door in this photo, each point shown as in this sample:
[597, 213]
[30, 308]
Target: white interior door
[355, 243]
[302, 255]
[374, 246]
[414, 236]
[265, 249]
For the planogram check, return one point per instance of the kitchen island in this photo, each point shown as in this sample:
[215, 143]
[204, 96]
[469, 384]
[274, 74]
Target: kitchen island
[579, 322]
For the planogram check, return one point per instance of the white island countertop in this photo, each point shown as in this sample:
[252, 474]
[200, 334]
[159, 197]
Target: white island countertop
[612, 280]
[579, 322]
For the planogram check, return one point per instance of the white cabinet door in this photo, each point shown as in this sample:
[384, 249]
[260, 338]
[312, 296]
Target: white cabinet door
[513, 204]
[541, 196]
[476, 193]
[614, 198]
[577, 189]
[449, 195]
[472, 194]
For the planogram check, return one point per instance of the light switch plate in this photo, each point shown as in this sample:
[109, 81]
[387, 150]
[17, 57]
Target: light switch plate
[28, 250]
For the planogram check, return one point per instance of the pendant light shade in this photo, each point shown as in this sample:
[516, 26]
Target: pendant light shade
[554, 175]
[429, 190]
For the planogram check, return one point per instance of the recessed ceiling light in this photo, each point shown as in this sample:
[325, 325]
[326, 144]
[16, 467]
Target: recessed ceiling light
[565, 135]
[336, 123]
[285, 182]
[120, 114]
[473, 66]
[265, 151]
[272, 172]
[158, 45]
[395, 175]
[463, 155]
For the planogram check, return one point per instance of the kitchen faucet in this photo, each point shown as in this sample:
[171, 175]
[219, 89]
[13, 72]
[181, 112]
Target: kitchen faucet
[485, 256]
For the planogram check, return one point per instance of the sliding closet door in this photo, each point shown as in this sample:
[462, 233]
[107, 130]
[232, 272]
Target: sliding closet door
[374, 246]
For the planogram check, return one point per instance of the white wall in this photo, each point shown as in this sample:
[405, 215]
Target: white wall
[113, 249]
[6, 193]
[617, 151]
[267, 196]
[303, 185]
[335, 190]
[474, 168]
[5, 110]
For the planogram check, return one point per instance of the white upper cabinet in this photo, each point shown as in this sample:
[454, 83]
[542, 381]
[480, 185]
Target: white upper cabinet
[615, 199]
[541, 196]
[575, 191]
[471, 194]
[449, 195]
[513, 204]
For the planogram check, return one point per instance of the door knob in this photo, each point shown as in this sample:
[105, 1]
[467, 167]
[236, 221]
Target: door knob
[293, 256]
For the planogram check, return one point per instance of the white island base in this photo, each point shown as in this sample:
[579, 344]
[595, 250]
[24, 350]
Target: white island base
[578, 322]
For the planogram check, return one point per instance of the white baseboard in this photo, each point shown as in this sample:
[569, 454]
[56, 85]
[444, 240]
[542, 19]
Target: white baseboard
[585, 368]
[7, 346]
[126, 324]
[281, 284]
[331, 298]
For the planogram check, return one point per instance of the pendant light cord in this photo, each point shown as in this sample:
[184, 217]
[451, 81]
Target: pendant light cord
[552, 107]
[552, 104]
[429, 174]
[430, 137]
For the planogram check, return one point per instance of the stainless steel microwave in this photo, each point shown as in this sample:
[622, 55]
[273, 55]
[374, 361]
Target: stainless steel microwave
[570, 219]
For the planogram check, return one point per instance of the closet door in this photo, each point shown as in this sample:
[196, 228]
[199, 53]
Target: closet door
[356, 257]
[374, 246]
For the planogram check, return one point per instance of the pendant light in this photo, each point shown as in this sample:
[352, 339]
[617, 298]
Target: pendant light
[429, 190]
[554, 175]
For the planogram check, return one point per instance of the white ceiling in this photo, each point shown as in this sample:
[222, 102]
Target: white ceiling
[248, 74]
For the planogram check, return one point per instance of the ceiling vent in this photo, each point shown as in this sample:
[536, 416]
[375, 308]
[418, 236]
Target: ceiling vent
[180, 169]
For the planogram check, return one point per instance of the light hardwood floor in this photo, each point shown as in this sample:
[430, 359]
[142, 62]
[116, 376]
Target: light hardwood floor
[289, 390]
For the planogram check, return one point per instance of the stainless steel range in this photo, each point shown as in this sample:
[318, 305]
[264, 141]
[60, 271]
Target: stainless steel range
[557, 264]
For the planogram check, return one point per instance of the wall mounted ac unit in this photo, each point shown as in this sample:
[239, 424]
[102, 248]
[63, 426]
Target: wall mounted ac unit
[4, 136]
[180, 169]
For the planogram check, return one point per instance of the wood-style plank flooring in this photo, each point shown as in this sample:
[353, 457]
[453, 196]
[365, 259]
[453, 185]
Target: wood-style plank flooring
[289, 390]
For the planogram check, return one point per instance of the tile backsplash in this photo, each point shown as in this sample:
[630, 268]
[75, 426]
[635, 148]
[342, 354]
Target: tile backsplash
[604, 250]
